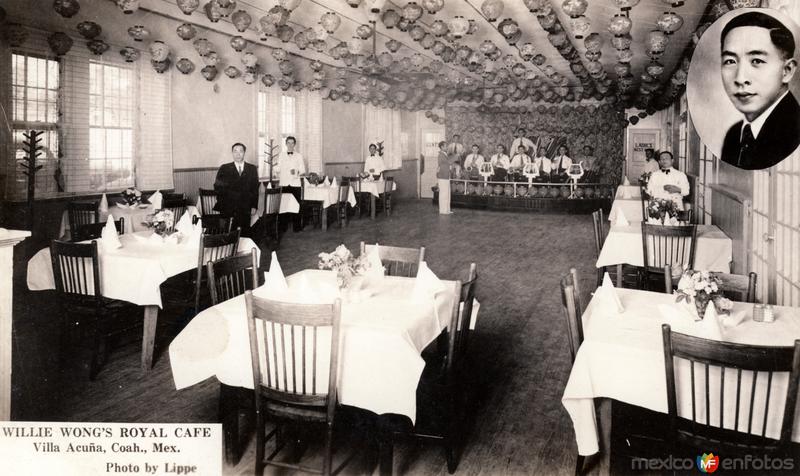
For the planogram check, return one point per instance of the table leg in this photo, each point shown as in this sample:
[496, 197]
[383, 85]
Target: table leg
[372, 206]
[619, 275]
[149, 336]
[229, 417]
[324, 218]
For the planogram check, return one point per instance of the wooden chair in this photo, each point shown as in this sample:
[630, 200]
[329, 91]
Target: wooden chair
[272, 210]
[214, 224]
[704, 431]
[173, 196]
[599, 227]
[666, 245]
[93, 231]
[309, 208]
[342, 204]
[309, 396]
[82, 213]
[177, 206]
[213, 248]
[573, 312]
[385, 200]
[208, 198]
[398, 261]
[76, 272]
[232, 276]
[737, 287]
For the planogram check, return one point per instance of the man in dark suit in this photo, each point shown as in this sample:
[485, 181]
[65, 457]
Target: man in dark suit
[757, 65]
[237, 189]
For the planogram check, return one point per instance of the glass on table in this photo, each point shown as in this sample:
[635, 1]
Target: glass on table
[763, 313]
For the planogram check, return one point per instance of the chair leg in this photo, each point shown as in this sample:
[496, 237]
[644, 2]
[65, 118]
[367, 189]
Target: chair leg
[579, 465]
[94, 365]
[260, 443]
[328, 457]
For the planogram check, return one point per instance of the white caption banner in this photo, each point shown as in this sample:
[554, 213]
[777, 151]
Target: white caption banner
[80, 449]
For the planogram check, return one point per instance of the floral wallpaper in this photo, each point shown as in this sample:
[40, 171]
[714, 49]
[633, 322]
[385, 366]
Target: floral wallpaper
[601, 127]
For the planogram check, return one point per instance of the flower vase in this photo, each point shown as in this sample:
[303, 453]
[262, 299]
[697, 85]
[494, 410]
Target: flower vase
[701, 303]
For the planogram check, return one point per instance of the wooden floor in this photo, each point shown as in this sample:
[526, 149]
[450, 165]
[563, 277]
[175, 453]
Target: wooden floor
[520, 345]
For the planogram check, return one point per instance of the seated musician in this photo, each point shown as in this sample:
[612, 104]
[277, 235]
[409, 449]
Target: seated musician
[472, 160]
[561, 163]
[590, 164]
[521, 158]
[483, 166]
[542, 163]
[500, 158]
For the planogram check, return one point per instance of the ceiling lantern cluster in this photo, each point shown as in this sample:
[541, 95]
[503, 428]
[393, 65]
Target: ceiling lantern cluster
[579, 24]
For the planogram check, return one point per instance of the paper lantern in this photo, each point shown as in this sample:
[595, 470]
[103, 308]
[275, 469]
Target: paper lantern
[129, 54]
[89, 29]
[138, 33]
[473, 27]
[289, 5]
[285, 33]
[655, 69]
[97, 47]
[188, 6]
[354, 3]
[268, 80]
[226, 6]
[439, 28]
[232, 72]
[355, 45]
[403, 25]
[510, 30]
[390, 18]
[60, 43]
[185, 65]
[622, 42]
[411, 12]
[286, 68]
[241, 20]
[330, 22]
[432, 6]
[278, 15]
[301, 40]
[416, 33]
[427, 41]
[592, 56]
[202, 46]
[279, 54]
[574, 8]
[250, 75]
[128, 6]
[159, 51]
[458, 26]
[492, 9]
[657, 42]
[393, 45]
[213, 11]
[66, 8]
[620, 25]
[186, 31]
[624, 56]
[527, 51]
[593, 42]
[365, 31]
[670, 22]
[249, 60]
[580, 27]
[161, 66]
[539, 60]
[417, 60]
[626, 5]
[238, 43]
[547, 22]
[211, 59]
[209, 72]
[374, 6]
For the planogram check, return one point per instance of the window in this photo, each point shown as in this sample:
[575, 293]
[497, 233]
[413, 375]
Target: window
[683, 130]
[274, 112]
[288, 113]
[34, 86]
[111, 92]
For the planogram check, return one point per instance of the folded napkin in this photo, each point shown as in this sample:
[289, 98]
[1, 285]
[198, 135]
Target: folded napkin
[606, 298]
[626, 182]
[333, 183]
[427, 284]
[184, 225]
[156, 199]
[376, 270]
[269, 184]
[683, 318]
[620, 219]
[103, 208]
[109, 236]
[710, 326]
[274, 280]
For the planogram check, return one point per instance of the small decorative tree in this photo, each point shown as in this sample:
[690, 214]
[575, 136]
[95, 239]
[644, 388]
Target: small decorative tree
[271, 153]
[32, 151]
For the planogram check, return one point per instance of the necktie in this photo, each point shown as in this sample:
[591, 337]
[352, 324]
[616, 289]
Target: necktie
[746, 147]
[239, 168]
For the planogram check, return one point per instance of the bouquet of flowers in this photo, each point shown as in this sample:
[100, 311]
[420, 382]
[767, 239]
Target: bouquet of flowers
[132, 196]
[702, 287]
[663, 210]
[344, 263]
[314, 179]
[161, 221]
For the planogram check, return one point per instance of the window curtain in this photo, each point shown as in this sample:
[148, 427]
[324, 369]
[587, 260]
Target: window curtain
[309, 128]
[383, 125]
[153, 130]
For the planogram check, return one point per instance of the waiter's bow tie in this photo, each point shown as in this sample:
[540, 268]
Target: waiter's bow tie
[666, 171]
[290, 153]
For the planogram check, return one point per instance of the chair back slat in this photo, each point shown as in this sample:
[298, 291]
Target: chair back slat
[599, 230]
[284, 340]
[780, 364]
[214, 224]
[396, 260]
[738, 287]
[232, 276]
[272, 201]
[459, 328]
[82, 213]
[572, 311]
[673, 245]
[76, 270]
[208, 199]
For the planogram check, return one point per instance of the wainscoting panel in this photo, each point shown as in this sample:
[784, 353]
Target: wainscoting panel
[188, 181]
[732, 213]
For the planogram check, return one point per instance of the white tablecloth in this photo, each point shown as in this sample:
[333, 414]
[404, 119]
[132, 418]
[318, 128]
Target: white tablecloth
[289, 204]
[631, 207]
[328, 195]
[629, 191]
[133, 217]
[622, 358]
[382, 338]
[376, 187]
[133, 273]
[623, 245]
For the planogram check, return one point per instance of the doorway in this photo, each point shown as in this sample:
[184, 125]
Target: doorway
[638, 141]
[430, 150]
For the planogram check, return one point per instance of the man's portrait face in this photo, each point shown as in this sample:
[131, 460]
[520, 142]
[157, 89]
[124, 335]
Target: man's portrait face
[499, 148]
[520, 133]
[474, 149]
[456, 138]
[542, 152]
[290, 143]
[587, 150]
[521, 149]
[373, 149]
[665, 160]
[755, 72]
[238, 153]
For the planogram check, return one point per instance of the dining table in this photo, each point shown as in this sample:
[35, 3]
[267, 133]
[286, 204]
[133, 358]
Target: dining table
[384, 329]
[133, 273]
[289, 204]
[623, 245]
[135, 216]
[622, 358]
[375, 188]
[327, 195]
[628, 200]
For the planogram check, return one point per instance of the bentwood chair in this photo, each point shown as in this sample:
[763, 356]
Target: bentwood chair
[177, 206]
[711, 400]
[310, 357]
[737, 287]
[666, 245]
[396, 260]
[93, 231]
[214, 224]
[208, 198]
[76, 272]
[213, 248]
[232, 276]
[272, 210]
[82, 213]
